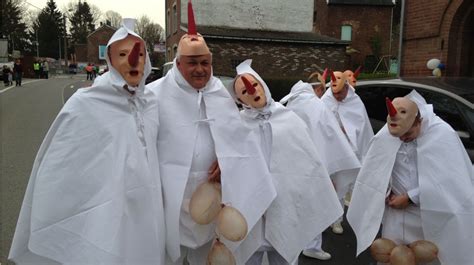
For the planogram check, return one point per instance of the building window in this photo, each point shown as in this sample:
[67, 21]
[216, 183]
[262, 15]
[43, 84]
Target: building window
[168, 23]
[175, 50]
[175, 19]
[314, 17]
[346, 32]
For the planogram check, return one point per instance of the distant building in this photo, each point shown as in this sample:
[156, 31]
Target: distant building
[366, 24]
[94, 50]
[278, 37]
[441, 29]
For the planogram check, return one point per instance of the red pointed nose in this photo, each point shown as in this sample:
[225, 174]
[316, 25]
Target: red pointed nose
[191, 22]
[250, 88]
[325, 74]
[357, 71]
[333, 77]
[390, 108]
[134, 55]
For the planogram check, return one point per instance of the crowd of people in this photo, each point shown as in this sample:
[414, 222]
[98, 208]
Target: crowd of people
[16, 74]
[114, 179]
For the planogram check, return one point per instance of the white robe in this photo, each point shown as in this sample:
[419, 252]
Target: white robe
[446, 189]
[331, 143]
[354, 118]
[306, 203]
[94, 195]
[246, 181]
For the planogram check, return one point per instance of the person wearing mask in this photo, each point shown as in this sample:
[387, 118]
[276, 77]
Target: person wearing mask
[94, 195]
[408, 184]
[353, 121]
[306, 202]
[331, 143]
[202, 138]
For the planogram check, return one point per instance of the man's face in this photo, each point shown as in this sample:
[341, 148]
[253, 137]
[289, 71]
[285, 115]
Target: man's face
[119, 55]
[350, 78]
[257, 100]
[403, 122]
[339, 88]
[196, 69]
[319, 90]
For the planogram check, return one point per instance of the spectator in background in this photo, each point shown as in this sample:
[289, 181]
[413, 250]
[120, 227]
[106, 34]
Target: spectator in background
[5, 73]
[18, 72]
[36, 68]
[45, 67]
[89, 69]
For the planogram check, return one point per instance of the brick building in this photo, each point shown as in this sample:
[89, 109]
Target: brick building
[367, 24]
[89, 53]
[278, 38]
[441, 29]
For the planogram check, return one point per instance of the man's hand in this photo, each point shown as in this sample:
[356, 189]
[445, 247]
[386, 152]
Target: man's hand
[214, 173]
[398, 201]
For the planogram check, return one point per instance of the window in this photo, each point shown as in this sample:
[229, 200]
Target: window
[168, 23]
[346, 32]
[175, 19]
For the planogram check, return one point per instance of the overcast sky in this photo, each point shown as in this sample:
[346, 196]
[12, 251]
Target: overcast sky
[154, 9]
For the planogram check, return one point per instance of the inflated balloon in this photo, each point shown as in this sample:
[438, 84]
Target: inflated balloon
[231, 224]
[220, 254]
[381, 249]
[433, 63]
[402, 255]
[205, 203]
[441, 66]
[437, 72]
[425, 251]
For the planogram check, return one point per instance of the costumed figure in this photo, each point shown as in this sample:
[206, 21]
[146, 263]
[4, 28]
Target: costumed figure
[422, 199]
[201, 135]
[94, 195]
[353, 120]
[331, 143]
[306, 202]
[352, 76]
[318, 81]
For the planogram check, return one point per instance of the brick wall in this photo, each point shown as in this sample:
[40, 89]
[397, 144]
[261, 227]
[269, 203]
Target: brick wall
[272, 59]
[330, 18]
[437, 29]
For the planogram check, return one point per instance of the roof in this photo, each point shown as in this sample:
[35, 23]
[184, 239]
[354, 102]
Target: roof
[104, 26]
[267, 35]
[362, 2]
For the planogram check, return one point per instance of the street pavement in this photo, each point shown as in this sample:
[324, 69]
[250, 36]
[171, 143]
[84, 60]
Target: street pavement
[26, 113]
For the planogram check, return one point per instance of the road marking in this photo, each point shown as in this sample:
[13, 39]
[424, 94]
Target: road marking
[23, 83]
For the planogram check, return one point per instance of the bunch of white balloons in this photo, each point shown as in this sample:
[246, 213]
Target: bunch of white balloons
[435, 65]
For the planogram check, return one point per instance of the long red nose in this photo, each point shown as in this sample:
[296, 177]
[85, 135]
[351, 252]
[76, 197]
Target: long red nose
[333, 77]
[191, 22]
[134, 55]
[250, 88]
[390, 108]
[325, 75]
[357, 71]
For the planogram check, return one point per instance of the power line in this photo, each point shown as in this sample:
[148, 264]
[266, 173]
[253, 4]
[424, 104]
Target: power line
[33, 5]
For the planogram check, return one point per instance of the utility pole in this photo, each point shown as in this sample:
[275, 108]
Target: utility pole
[65, 42]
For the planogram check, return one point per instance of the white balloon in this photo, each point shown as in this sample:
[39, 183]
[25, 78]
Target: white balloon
[433, 63]
[437, 72]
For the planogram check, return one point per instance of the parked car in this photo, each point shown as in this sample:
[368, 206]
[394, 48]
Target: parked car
[154, 75]
[166, 67]
[452, 99]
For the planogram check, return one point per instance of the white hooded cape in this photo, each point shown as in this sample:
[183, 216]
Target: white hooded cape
[354, 118]
[306, 203]
[94, 195]
[327, 136]
[446, 188]
[245, 181]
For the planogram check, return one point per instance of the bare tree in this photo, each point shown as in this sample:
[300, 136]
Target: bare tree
[114, 18]
[151, 32]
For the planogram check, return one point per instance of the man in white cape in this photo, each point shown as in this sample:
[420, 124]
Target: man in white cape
[432, 201]
[353, 120]
[306, 202]
[331, 143]
[199, 125]
[94, 195]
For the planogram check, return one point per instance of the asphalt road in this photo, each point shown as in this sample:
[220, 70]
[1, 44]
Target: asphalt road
[25, 116]
[26, 113]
